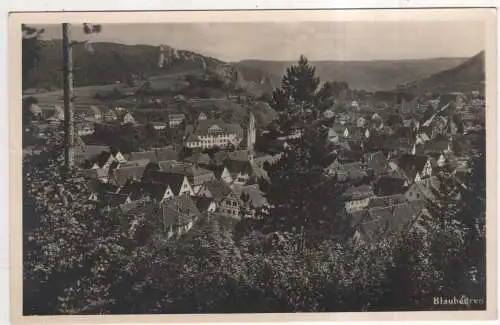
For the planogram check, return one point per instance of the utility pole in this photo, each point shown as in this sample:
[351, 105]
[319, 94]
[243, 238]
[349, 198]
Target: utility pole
[68, 97]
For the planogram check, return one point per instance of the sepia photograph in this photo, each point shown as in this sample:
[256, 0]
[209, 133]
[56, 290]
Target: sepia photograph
[255, 166]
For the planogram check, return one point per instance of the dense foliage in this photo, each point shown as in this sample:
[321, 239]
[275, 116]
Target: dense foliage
[81, 259]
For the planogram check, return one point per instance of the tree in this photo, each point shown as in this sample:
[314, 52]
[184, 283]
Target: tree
[302, 199]
[30, 52]
[297, 94]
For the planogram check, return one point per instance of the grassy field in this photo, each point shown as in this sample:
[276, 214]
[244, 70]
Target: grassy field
[86, 95]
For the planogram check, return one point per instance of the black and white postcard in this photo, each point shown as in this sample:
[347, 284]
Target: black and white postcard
[253, 165]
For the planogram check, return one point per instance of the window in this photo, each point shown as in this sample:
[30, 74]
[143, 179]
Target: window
[418, 196]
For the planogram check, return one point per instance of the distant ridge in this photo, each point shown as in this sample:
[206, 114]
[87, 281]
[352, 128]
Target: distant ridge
[111, 62]
[367, 75]
[468, 76]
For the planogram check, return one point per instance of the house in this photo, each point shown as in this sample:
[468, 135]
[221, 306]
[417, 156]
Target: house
[96, 113]
[202, 116]
[414, 167]
[205, 204]
[197, 176]
[243, 172]
[231, 205]
[216, 189]
[125, 117]
[167, 153]
[437, 146]
[158, 191]
[378, 223]
[425, 190]
[120, 176]
[386, 201]
[357, 197]
[88, 153]
[130, 163]
[156, 155]
[361, 122]
[97, 174]
[159, 125]
[213, 133]
[133, 195]
[348, 171]
[143, 155]
[390, 185]
[174, 120]
[178, 183]
[198, 159]
[100, 189]
[110, 116]
[333, 136]
[227, 201]
[250, 196]
[103, 161]
[178, 215]
[376, 162]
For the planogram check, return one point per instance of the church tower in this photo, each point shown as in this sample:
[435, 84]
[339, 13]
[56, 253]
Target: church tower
[251, 133]
[161, 61]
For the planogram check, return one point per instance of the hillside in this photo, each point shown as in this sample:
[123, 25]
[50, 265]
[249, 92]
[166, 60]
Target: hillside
[367, 75]
[468, 76]
[110, 62]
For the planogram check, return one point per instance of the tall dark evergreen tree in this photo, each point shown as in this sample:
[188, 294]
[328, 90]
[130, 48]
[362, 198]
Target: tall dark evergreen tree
[297, 95]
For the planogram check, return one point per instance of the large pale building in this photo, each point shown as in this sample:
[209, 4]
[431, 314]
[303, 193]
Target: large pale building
[213, 133]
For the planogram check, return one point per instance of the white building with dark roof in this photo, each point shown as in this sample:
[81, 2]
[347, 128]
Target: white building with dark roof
[213, 133]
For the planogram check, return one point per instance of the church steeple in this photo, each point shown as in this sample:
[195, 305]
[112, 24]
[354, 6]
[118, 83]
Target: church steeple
[251, 133]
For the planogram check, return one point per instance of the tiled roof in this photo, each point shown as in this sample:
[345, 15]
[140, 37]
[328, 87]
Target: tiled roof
[150, 155]
[95, 173]
[387, 185]
[199, 158]
[385, 201]
[120, 176]
[239, 155]
[383, 221]
[155, 190]
[256, 197]
[236, 166]
[168, 153]
[172, 179]
[202, 203]
[133, 163]
[196, 175]
[219, 190]
[436, 146]
[91, 151]
[176, 116]
[411, 164]
[203, 126]
[376, 161]
[178, 210]
[429, 187]
[132, 188]
[358, 192]
[99, 187]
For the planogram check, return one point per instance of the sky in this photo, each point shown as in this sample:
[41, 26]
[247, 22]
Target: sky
[344, 41]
